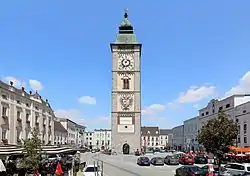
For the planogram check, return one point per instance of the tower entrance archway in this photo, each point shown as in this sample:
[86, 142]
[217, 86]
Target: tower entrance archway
[125, 149]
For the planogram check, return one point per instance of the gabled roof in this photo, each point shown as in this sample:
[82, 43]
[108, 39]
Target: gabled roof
[58, 127]
[165, 131]
[149, 131]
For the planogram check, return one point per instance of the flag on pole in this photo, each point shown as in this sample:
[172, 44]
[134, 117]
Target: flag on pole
[59, 169]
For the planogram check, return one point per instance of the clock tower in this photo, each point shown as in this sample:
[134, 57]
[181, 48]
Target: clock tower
[126, 90]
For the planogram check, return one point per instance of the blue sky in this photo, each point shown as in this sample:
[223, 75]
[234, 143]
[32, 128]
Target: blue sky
[192, 51]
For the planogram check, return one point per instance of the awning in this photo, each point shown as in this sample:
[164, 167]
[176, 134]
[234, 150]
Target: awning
[14, 150]
[238, 149]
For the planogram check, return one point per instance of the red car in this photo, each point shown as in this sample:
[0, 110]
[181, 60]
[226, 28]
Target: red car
[137, 153]
[186, 160]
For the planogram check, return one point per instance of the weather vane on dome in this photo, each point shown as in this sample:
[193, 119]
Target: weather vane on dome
[126, 13]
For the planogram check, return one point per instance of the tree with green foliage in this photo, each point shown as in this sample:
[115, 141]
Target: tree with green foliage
[32, 152]
[218, 134]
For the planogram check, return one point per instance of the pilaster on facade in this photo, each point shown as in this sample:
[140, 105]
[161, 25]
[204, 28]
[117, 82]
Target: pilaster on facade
[237, 108]
[75, 132]
[126, 90]
[21, 112]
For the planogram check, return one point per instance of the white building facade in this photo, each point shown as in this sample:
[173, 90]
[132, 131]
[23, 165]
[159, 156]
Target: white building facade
[75, 132]
[21, 112]
[237, 107]
[178, 137]
[150, 136]
[80, 139]
[191, 127]
[164, 137]
[242, 117]
[226, 105]
[102, 138]
[89, 139]
[61, 134]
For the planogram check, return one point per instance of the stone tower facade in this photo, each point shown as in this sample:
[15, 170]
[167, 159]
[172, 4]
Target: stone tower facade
[126, 90]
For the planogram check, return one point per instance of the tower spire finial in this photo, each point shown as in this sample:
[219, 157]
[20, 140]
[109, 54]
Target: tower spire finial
[126, 13]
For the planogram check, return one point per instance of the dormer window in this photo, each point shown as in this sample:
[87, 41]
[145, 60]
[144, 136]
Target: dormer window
[148, 132]
[156, 132]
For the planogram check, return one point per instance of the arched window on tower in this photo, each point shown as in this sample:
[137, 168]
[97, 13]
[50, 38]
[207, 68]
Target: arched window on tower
[126, 83]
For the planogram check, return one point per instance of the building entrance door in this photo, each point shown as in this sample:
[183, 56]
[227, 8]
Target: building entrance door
[125, 149]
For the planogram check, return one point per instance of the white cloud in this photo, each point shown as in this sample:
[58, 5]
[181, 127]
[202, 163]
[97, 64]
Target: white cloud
[153, 109]
[16, 82]
[77, 116]
[87, 100]
[195, 94]
[196, 106]
[35, 85]
[243, 86]
[71, 113]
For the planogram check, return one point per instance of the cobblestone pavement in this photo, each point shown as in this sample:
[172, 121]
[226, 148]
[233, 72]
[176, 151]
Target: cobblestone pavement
[125, 165]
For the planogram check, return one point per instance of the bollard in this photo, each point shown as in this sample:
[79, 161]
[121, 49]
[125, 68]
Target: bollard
[102, 169]
[94, 169]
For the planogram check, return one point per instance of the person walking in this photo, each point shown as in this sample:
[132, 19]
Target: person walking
[210, 170]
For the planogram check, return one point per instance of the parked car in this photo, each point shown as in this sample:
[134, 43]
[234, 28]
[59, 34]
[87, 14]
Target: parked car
[200, 159]
[186, 160]
[137, 153]
[91, 170]
[190, 171]
[171, 160]
[179, 154]
[217, 172]
[238, 168]
[157, 161]
[143, 161]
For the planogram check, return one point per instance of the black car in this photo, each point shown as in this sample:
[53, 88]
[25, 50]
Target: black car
[157, 161]
[200, 159]
[190, 171]
[143, 161]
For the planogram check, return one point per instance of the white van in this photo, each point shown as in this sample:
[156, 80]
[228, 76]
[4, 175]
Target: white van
[238, 168]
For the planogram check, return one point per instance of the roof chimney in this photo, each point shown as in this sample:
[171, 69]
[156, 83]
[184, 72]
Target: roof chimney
[11, 83]
[23, 89]
[30, 92]
[47, 100]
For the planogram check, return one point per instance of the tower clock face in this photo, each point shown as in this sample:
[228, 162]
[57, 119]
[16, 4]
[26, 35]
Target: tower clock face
[126, 62]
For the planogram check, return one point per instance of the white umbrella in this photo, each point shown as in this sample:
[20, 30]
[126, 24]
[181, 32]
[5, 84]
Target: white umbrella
[2, 167]
[240, 155]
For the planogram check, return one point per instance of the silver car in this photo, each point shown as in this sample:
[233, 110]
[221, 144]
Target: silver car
[171, 160]
[157, 161]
